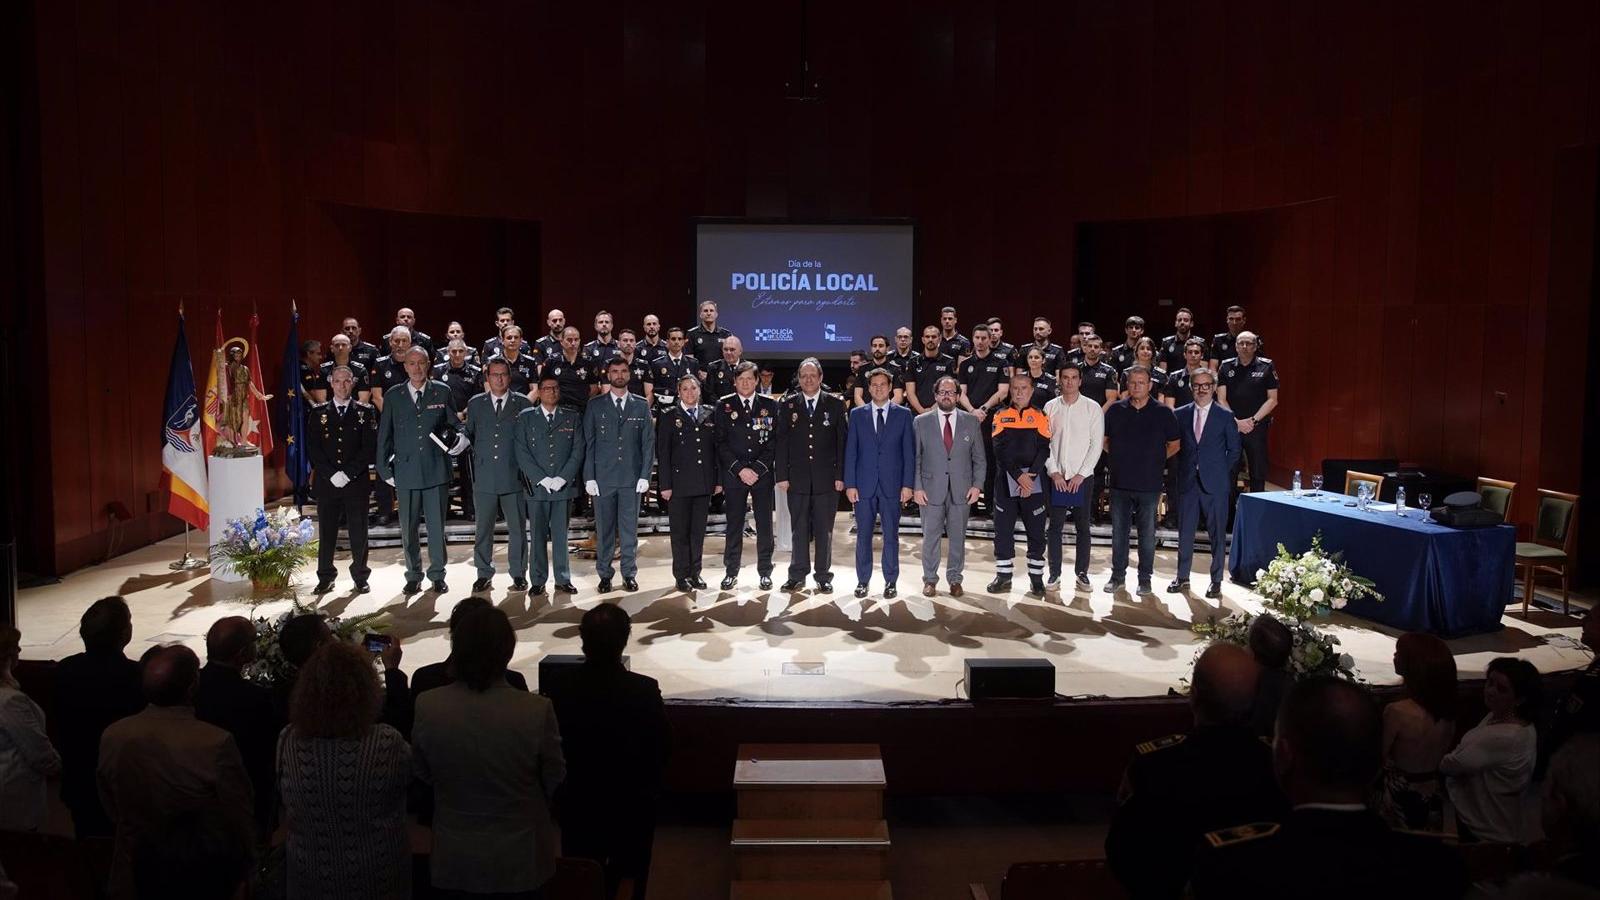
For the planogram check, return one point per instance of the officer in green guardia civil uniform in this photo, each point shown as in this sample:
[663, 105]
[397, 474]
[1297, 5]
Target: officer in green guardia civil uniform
[549, 445]
[491, 426]
[619, 442]
[409, 460]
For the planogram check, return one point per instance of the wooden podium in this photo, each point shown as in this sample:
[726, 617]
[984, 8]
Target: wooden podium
[237, 488]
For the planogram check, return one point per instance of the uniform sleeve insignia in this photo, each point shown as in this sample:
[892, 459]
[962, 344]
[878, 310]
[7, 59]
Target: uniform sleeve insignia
[1240, 834]
[1161, 743]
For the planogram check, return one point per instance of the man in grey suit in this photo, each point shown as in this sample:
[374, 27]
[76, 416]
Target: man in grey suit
[619, 447]
[491, 427]
[950, 469]
[549, 452]
[417, 416]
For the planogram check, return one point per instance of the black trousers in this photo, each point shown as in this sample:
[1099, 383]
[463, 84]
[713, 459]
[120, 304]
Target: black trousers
[1007, 509]
[619, 841]
[742, 497]
[385, 496]
[1254, 446]
[345, 509]
[811, 519]
[686, 518]
[1080, 525]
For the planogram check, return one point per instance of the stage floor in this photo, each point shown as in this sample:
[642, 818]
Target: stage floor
[754, 645]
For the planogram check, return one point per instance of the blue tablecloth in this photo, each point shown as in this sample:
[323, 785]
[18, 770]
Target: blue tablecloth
[1442, 580]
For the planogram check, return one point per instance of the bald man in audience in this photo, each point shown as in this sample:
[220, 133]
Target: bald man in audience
[1327, 754]
[1179, 787]
[163, 761]
[239, 706]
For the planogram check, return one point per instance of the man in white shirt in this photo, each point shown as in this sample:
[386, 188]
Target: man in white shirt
[1077, 426]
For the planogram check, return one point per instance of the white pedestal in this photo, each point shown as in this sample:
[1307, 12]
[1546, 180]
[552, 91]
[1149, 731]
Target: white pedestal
[238, 487]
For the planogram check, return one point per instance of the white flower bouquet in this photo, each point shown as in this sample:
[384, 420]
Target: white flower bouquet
[1310, 584]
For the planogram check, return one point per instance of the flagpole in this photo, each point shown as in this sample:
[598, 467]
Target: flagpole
[186, 562]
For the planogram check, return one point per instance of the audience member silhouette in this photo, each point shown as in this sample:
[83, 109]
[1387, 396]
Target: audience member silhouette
[616, 739]
[228, 700]
[343, 777]
[27, 758]
[163, 761]
[93, 689]
[493, 756]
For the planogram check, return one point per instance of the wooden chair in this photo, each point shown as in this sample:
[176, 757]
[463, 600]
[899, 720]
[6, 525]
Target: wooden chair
[1555, 534]
[1353, 478]
[1080, 879]
[1497, 495]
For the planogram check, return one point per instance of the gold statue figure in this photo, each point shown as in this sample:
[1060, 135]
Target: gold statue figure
[234, 392]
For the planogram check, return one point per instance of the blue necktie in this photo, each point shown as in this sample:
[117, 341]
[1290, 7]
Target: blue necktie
[880, 420]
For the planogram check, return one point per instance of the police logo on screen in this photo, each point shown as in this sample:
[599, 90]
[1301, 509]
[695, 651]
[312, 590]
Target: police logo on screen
[830, 332]
[774, 335]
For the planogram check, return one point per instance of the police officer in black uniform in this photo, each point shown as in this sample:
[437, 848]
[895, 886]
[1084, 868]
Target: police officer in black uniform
[342, 442]
[1074, 355]
[1193, 357]
[407, 317]
[998, 343]
[686, 466]
[1172, 346]
[341, 353]
[809, 458]
[640, 379]
[1099, 377]
[1177, 788]
[931, 366]
[549, 344]
[1054, 354]
[1328, 751]
[719, 375]
[982, 376]
[745, 422]
[310, 368]
[1222, 345]
[465, 381]
[569, 370]
[1248, 385]
[503, 317]
[604, 346]
[652, 344]
[705, 339]
[952, 342]
[877, 358]
[1122, 355]
[524, 367]
[452, 333]
[365, 353]
[669, 368]
[902, 364]
[1044, 381]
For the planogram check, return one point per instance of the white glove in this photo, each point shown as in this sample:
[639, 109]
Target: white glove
[642, 486]
[339, 479]
[461, 445]
[593, 487]
[556, 483]
[389, 481]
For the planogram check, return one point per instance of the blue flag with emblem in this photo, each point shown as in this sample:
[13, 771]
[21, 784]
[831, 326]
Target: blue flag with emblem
[296, 463]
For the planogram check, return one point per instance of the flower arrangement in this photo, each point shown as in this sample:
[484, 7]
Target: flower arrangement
[1315, 652]
[268, 547]
[270, 668]
[1311, 584]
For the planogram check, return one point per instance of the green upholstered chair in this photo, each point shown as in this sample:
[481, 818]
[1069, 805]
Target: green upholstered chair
[1497, 495]
[1555, 532]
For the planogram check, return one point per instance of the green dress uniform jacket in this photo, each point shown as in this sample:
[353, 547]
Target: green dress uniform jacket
[493, 437]
[405, 452]
[549, 449]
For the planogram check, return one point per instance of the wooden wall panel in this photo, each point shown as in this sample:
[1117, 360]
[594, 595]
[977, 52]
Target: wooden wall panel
[217, 153]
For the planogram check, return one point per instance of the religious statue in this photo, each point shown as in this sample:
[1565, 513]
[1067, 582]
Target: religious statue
[234, 392]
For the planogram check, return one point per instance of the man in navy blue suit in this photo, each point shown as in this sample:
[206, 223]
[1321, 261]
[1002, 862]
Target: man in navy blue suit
[880, 463]
[1209, 450]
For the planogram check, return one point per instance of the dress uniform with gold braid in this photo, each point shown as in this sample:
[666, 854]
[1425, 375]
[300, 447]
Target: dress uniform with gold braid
[744, 441]
[491, 427]
[809, 454]
[342, 440]
[686, 465]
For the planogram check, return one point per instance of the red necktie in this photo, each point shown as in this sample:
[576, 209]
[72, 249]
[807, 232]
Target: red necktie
[949, 439]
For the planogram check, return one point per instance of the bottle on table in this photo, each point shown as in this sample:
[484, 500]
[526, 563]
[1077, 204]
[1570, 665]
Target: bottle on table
[1400, 500]
[1294, 486]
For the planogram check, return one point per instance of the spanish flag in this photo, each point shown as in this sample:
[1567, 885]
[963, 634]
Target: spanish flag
[211, 409]
[261, 435]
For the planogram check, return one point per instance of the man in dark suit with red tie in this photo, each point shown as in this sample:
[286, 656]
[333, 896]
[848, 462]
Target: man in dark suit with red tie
[1208, 451]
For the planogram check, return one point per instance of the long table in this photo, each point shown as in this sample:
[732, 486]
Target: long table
[1434, 578]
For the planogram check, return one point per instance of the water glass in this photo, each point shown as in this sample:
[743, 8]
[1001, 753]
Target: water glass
[1316, 484]
[1425, 501]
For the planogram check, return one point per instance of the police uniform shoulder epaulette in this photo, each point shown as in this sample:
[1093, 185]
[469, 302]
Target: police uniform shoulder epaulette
[728, 397]
[1241, 834]
[1160, 743]
[360, 405]
[1265, 359]
[323, 405]
[477, 395]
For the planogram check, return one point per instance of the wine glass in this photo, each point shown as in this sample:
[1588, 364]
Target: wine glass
[1316, 484]
[1425, 501]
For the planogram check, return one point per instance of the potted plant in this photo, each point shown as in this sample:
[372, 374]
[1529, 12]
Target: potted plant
[267, 547]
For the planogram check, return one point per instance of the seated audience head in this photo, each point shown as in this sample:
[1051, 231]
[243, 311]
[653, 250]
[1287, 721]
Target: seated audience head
[1329, 742]
[195, 855]
[1270, 642]
[231, 641]
[301, 636]
[10, 651]
[337, 694]
[604, 631]
[481, 645]
[1428, 672]
[1224, 688]
[106, 626]
[170, 676]
[1513, 687]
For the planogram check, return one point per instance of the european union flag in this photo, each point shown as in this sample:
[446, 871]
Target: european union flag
[296, 462]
